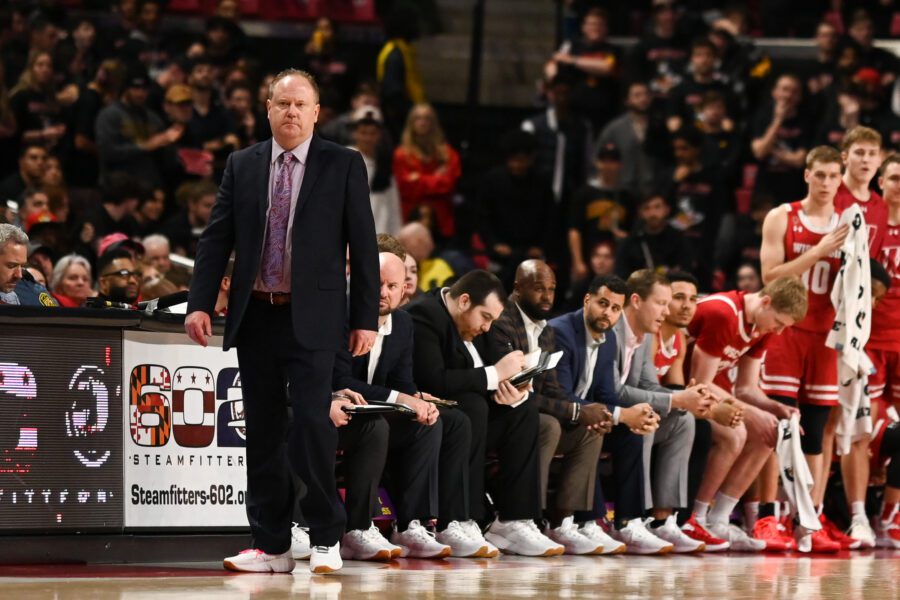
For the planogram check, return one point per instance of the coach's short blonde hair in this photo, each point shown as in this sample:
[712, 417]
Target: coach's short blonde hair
[788, 296]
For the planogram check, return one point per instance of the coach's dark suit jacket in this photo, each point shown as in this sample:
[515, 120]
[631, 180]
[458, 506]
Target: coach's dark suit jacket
[550, 397]
[441, 364]
[332, 210]
[395, 365]
[570, 338]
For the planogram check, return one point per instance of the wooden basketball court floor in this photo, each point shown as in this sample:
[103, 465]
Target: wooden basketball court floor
[849, 576]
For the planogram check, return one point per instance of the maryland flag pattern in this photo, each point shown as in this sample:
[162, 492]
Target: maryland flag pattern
[150, 413]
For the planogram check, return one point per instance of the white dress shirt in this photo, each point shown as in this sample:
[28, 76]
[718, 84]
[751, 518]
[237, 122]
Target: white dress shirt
[375, 355]
[300, 154]
[631, 345]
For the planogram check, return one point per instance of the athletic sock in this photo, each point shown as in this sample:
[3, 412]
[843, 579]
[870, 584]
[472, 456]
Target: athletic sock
[766, 509]
[721, 511]
[751, 514]
[858, 508]
[700, 510]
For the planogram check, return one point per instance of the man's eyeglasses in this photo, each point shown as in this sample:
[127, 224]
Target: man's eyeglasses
[124, 274]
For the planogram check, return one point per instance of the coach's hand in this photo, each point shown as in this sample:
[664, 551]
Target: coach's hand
[361, 341]
[198, 327]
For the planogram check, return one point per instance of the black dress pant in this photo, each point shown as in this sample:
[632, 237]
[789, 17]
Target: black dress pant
[513, 434]
[453, 473]
[413, 468]
[627, 451]
[364, 442]
[272, 361]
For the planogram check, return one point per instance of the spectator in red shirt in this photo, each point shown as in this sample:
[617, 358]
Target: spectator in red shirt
[426, 167]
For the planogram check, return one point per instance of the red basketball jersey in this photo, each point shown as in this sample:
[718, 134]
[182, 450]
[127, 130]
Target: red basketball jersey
[720, 329]
[886, 316]
[874, 210]
[801, 236]
[666, 354]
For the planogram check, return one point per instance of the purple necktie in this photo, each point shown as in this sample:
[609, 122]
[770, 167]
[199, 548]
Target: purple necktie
[276, 232]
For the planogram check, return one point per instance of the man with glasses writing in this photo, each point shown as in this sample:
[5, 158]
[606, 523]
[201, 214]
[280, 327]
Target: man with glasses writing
[119, 278]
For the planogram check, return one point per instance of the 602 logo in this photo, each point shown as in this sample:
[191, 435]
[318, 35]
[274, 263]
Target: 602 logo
[183, 405]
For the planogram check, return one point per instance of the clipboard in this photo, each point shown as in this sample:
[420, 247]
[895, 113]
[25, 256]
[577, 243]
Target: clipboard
[546, 362]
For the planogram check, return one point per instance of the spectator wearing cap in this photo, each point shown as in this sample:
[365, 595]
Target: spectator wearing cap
[17, 286]
[129, 134]
[599, 210]
[367, 133]
[627, 133]
[118, 277]
[340, 129]
[184, 228]
[40, 258]
[513, 205]
[31, 168]
[654, 244]
[103, 89]
[119, 241]
[71, 281]
[156, 253]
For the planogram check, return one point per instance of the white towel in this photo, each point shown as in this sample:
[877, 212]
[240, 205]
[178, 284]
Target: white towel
[796, 479]
[852, 300]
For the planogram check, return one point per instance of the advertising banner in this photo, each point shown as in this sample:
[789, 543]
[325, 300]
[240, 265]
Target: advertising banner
[60, 429]
[185, 440]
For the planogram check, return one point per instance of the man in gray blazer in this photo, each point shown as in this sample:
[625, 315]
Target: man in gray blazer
[649, 294]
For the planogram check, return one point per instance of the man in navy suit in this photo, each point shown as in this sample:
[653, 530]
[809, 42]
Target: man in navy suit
[587, 374]
[414, 450]
[288, 208]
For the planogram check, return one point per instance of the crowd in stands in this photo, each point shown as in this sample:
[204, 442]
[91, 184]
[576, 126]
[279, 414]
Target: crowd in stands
[660, 158]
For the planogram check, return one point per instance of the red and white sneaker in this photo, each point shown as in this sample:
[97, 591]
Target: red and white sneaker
[774, 534]
[846, 542]
[816, 542]
[695, 530]
[888, 532]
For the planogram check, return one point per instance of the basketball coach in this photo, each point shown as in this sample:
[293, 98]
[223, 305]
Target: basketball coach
[288, 207]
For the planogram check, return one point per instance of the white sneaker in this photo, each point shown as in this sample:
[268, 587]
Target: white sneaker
[736, 537]
[325, 559]
[522, 537]
[300, 542]
[257, 561]
[594, 532]
[366, 544]
[889, 532]
[638, 539]
[473, 530]
[683, 543]
[418, 542]
[861, 530]
[571, 539]
[462, 544]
